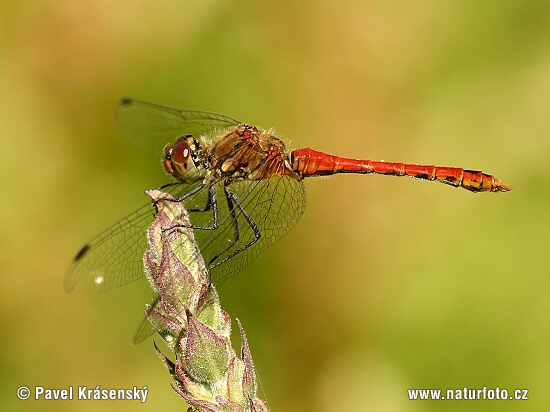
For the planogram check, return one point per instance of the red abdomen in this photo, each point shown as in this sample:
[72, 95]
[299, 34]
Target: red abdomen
[308, 162]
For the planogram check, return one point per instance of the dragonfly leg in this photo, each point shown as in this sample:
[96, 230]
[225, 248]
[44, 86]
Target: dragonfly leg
[168, 185]
[211, 203]
[233, 201]
[181, 198]
[207, 206]
[189, 194]
[234, 223]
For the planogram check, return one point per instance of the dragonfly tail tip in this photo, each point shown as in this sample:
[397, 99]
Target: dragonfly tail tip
[502, 186]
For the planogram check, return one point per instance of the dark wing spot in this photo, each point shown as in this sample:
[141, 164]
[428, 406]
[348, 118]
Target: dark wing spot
[125, 101]
[82, 252]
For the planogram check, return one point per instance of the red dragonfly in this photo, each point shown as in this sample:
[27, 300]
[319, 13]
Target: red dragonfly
[242, 188]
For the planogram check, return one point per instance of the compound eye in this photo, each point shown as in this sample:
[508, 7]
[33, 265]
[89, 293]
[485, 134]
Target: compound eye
[181, 152]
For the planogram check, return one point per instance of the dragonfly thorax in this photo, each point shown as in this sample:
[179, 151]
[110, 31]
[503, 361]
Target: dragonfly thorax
[248, 153]
[185, 160]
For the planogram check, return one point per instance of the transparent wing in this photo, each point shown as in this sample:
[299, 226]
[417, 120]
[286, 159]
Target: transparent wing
[151, 126]
[273, 205]
[145, 328]
[115, 256]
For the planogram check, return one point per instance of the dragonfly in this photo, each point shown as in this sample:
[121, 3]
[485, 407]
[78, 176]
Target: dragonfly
[241, 186]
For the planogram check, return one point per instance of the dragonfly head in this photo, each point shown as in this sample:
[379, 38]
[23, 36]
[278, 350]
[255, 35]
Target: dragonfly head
[183, 159]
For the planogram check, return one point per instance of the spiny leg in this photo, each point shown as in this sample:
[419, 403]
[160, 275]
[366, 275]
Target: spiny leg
[208, 204]
[211, 203]
[168, 185]
[187, 195]
[231, 201]
[235, 225]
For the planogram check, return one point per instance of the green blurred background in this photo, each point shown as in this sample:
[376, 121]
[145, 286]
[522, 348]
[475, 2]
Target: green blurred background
[384, 285]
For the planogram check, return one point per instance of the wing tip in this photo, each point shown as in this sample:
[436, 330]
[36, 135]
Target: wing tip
[71, 279]
[69, 282]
